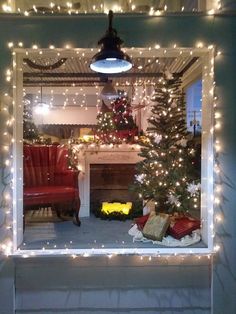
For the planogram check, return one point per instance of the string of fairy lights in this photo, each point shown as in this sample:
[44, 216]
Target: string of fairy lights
[80, 99]
[9, 201]
[70, 8]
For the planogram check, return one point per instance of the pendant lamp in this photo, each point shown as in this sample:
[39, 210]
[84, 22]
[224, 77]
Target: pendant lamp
[110, 59]
[108, 91]
[41, 107]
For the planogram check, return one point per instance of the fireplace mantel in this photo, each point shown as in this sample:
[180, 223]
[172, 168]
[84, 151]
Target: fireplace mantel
[110, 154]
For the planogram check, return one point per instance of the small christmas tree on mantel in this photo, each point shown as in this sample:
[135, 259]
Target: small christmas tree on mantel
[105, 124]
[167, 175]
[126, 128]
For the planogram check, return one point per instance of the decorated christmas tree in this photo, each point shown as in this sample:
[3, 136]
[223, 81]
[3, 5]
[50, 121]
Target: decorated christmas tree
[124, 122]
[122, 112]
[167, 174]
[30, 131]
[105, 123]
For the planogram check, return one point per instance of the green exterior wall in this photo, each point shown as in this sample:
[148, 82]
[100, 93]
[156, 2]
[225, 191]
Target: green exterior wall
[219, 278]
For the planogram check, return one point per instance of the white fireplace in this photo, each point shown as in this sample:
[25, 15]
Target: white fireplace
[104, 154]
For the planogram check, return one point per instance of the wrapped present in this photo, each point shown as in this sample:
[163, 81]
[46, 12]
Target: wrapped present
[183, 226]
[141, 221]
[156, 226]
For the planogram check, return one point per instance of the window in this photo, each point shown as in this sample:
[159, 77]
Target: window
[72, 95]
[194, 107]
[99, 6]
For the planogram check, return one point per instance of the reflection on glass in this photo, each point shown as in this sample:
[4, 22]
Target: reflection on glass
[56, 147]
[157, 7]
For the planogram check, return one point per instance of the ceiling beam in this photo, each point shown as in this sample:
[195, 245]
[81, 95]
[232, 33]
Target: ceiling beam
[92, 75]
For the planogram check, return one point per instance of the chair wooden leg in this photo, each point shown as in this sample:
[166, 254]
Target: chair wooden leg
[56, 208]
[76, 219]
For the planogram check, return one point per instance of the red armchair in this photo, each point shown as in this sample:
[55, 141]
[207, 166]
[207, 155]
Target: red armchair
[47, 179]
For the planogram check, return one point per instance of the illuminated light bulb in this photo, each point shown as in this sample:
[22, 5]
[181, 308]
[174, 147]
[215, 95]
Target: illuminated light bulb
[199, 45]
[157, 13]
[7, 162]
[217, 200]
[216, 247]
[218, 125]
[211, 12]
[217, 115]
[218, 53]
[10, 45]
[218, 218]
[217, 147]
[218, 189]
[151, 11]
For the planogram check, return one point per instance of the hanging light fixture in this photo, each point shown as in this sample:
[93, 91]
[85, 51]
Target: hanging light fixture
[108, 91]
[41, 107]
[111, 59]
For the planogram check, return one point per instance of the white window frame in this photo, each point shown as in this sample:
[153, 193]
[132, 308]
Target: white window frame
[206, 56]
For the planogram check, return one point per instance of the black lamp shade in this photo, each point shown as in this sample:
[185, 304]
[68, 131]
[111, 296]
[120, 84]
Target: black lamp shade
[111, 59]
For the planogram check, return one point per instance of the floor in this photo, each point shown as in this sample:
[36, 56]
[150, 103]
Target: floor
[48, 231]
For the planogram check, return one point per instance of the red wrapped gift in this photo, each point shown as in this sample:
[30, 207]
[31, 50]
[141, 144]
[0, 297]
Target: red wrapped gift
[183, 226]
[141, 221]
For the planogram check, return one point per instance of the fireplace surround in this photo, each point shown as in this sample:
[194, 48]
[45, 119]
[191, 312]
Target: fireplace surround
[110, 183]
[105, 154]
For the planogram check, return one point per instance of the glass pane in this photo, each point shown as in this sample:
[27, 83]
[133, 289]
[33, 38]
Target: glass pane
[65, 148]
[194, 107]
[28, 7]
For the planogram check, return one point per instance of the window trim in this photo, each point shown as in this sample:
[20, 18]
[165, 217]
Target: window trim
[207, 57]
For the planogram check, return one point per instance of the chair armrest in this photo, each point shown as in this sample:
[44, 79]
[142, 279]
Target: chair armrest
[67, 177]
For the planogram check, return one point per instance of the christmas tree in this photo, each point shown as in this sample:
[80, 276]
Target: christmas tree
[126, 128]
[167, 174]
[105, 124]
[122, 111]
[30, 131]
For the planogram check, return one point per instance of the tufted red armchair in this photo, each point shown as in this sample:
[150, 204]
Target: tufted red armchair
[48, 180]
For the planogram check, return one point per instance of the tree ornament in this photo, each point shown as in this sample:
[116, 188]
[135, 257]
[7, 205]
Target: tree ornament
[193, 188]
